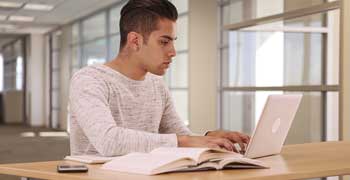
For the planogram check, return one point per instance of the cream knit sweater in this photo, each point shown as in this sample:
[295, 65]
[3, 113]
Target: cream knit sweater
[111, 114]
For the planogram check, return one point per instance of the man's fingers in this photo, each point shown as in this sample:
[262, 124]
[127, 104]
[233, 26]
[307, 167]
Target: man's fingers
[245, 138]
[215, 146]
[235, 138]
[228, 145]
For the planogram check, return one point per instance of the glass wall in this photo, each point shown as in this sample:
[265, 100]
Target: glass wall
[177, 75]
[55, 41]
[96, 39]
[13, 65]
[1, 72]
[282, 57]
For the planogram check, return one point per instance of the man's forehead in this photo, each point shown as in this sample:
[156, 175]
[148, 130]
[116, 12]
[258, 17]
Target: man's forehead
[166, 29]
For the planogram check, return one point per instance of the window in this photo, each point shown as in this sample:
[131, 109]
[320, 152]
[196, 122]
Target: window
[94, 52]
[114, 19]
[114, 45]
[1, 72]
[13, 65]
[281, 57]
[19, 73]
[18, 50]
[55, 39]
[95, 39]
[94, 27]
[177, 75]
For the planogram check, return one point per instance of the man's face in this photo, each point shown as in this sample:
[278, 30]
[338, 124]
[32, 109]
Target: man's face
[156, 55]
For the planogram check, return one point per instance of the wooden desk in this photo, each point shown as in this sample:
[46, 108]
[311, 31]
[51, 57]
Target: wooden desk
[295, 162]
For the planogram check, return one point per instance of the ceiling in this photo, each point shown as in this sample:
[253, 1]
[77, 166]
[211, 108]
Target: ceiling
[64, 11]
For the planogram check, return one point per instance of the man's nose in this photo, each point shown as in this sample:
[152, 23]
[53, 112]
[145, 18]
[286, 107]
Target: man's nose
[172, 52]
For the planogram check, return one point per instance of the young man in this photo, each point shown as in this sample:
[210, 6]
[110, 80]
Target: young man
[123, 106]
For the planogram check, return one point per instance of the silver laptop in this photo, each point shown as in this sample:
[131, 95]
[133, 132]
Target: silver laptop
[273, 126]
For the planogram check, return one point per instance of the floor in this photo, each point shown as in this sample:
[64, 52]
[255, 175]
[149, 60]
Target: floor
[24, 144]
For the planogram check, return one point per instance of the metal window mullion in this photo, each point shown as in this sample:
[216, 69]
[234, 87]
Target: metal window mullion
[24, 85]
[56, 69]
[184, 51]
[51, 79]
[285, 29]
[324, 67]
[182, 14]
[221, 84]
[80, 46]
[114, 34]
[222, 3]
[223, 47]
[56, 50]
[178, 88]
[286, 15]
[93, 39]
[108, 40]
[284, 88]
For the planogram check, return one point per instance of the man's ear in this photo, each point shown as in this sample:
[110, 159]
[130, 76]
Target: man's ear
[134, 40]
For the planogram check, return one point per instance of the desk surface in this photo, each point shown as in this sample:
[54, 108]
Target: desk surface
[295, 162]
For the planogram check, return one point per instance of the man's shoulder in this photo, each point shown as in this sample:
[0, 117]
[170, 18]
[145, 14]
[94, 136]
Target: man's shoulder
[87, 70]
[98, 72]
[89, 74]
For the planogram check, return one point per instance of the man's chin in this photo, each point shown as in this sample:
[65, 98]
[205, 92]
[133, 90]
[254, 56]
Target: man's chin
[158, 73]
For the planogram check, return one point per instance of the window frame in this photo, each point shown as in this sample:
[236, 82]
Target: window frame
[323, 88]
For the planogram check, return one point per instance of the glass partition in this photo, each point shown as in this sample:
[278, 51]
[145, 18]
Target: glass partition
[280, 57]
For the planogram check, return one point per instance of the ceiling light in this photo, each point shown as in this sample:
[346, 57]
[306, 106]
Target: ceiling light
[21, 18]
[38, 7]
[3, 17]
[6, 4]
[7, 26]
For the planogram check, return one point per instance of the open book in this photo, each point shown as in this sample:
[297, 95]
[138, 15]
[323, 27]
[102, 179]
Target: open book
[89, 159]
[162, 160]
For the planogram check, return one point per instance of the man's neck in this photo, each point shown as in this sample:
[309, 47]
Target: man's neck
[128, 67]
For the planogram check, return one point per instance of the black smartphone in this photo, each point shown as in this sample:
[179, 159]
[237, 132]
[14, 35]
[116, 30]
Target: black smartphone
[71, 168]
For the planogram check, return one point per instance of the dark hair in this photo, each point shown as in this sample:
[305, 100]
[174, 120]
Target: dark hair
[142, 16]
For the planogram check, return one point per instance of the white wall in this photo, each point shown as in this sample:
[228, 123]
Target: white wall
[65, 58]
[36, 80]
[203, 63]
[345, 74]
[13, 107]
[47, 81]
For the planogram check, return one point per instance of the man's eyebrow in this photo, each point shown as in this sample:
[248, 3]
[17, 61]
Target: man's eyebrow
[168, 37]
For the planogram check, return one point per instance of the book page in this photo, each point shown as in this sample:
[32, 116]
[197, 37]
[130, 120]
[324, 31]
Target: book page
[193, 153]
[90, 159]
[201, 167]
[147, 163]
[200, 155]
[214, 155]
[242, 162]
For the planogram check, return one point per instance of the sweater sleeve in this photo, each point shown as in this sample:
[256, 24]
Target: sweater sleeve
[89, 104]
[171, 122]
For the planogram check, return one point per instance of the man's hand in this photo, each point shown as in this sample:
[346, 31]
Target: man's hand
[233, 137]
[205, 141]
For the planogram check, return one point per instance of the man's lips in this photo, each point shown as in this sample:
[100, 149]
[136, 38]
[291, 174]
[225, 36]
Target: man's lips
[166, 64]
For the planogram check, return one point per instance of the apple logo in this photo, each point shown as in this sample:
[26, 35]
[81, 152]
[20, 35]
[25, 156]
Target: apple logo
[276, 125]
